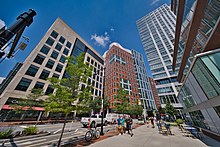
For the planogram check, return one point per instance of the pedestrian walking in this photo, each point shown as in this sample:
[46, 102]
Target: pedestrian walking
[147, 121]
[152, 122]
[119, 125]
[129, 123]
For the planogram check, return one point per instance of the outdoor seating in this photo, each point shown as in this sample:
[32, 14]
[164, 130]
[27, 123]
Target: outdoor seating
[200, 134]
[185, 132]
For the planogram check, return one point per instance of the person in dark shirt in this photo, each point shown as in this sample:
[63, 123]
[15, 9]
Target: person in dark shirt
[129, 123]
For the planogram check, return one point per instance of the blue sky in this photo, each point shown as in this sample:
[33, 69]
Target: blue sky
[98, 22]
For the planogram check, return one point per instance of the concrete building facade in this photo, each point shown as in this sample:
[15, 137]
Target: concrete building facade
[155, 94]
[47, 60]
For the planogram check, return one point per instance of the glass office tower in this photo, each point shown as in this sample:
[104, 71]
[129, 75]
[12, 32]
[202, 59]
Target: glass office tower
[144, 87]
[156, 31]
[197, 40]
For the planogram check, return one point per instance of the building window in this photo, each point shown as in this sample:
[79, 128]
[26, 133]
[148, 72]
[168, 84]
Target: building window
[54, 34]
[39, 59]
[39, 85]
[44, 75]
[96, 92]
[68, 44]
[23, 84]
[50, 41]
[56, 76]
[45, 49]
[62, 39]
[58, 47]
[217, 109]
[50, 64]
[62, 59]
[32, 70]
[49, 90]
[59, 68]
[66, 51]
[54, 54]
[88, 59]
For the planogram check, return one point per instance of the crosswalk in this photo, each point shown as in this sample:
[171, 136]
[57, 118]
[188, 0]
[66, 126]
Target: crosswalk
[49, 140]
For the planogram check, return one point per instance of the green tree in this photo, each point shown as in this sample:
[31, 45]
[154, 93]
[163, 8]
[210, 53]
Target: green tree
[96, 104]
[123, 103]
[26, 104]
[161, 110]
[169, 109]
[136, 110]
[67, 96]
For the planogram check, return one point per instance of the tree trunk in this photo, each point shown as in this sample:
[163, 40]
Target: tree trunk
[61, 135]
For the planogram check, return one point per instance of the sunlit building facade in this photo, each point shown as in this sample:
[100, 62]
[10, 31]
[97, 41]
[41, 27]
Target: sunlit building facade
[120, 72]
[48, 59]
[156, 31]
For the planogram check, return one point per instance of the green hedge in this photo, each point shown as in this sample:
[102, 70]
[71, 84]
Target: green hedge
[179, 121]
[6, 133]
[31, 130]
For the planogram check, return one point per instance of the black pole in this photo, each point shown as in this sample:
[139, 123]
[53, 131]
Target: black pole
[102, 133]
[25, 19]
[61, 135]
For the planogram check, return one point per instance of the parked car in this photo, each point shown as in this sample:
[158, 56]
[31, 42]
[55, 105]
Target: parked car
[95, 120]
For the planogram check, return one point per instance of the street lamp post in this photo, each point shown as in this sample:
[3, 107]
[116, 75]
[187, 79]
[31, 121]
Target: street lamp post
[101, 132]
[103, 88]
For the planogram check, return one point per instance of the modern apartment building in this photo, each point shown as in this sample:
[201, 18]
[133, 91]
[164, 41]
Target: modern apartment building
[48, 60]
[155, 93]
[120, 72]
[146, 95]
[156, 31]
[197, 39]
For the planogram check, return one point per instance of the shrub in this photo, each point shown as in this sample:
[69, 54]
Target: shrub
[179, 121]
[173, 124]
[5, 133]
[31, 130]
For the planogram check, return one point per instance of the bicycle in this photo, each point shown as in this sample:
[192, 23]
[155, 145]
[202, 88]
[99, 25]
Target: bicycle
[92, 133]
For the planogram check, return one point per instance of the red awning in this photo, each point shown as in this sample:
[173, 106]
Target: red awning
[7, 107]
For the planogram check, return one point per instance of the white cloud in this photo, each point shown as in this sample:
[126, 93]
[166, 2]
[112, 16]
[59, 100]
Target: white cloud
[154, 2]
[2, 23]
[112, 29]
[101, 40]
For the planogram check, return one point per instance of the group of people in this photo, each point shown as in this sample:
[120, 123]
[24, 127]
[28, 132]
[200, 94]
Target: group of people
[124, 123]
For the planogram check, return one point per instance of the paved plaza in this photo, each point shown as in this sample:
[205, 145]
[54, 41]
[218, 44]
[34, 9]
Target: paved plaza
[150, 137]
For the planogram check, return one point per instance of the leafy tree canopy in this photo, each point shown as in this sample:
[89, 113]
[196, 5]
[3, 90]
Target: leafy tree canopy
[67, 96]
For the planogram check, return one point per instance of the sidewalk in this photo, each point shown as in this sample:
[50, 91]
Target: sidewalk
[150, 137]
